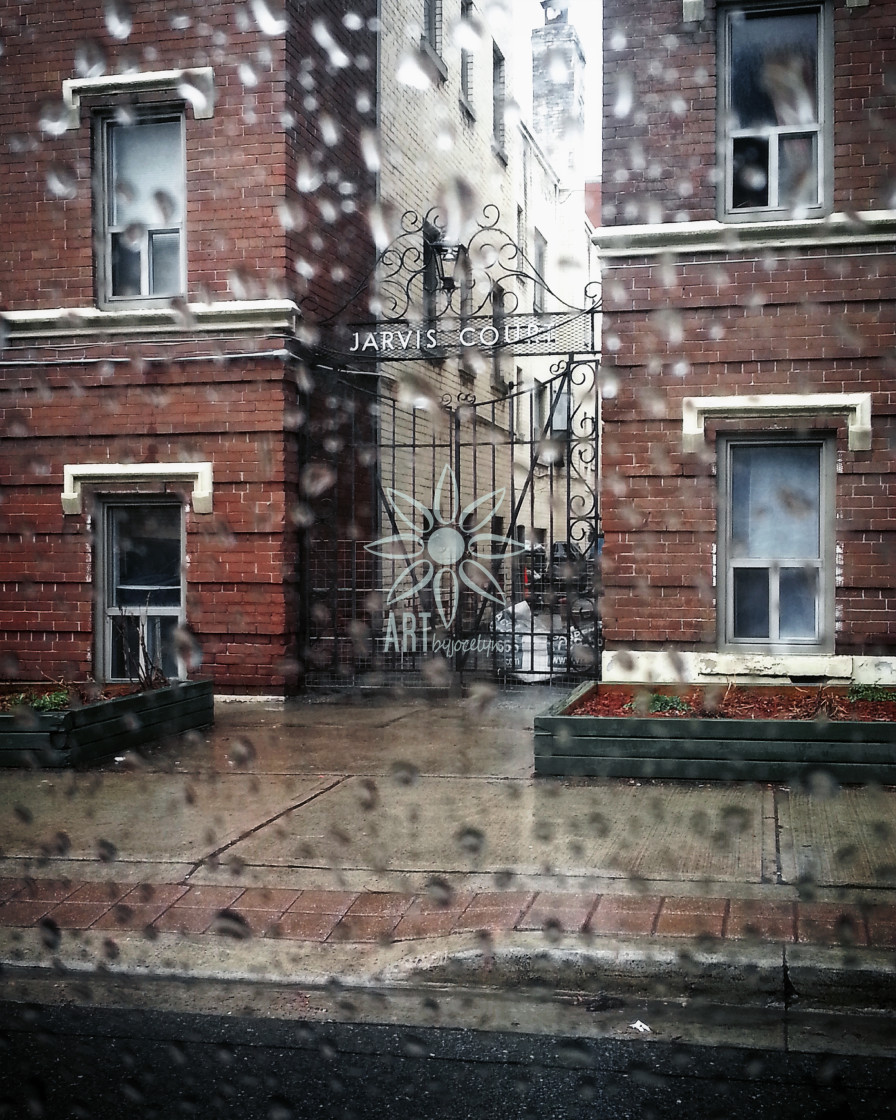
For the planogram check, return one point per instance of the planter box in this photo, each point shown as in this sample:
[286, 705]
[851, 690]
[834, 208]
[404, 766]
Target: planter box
[80, 736]
[681, 747]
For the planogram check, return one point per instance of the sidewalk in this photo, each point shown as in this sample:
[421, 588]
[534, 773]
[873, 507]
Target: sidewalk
[403, 841]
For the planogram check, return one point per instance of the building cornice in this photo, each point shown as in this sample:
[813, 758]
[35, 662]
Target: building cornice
[237, 317]
[866, 228]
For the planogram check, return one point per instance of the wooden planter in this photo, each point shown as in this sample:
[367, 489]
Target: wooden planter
[758, 750]
[80, 736]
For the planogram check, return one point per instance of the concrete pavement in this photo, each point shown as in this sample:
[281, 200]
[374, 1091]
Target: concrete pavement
[398, 841]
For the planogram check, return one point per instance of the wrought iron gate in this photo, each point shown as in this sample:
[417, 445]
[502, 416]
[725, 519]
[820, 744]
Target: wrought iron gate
[452, 540]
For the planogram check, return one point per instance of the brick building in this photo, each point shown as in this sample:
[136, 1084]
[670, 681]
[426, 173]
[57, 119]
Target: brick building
[749, 501]
[174, 190]
[194, 195]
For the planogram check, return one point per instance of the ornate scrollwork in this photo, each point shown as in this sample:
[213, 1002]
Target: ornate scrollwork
[422, 275]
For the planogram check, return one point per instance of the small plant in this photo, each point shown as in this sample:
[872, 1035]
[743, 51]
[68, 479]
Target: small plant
[658, 702]
[55, 701]
[873, 692]
[51, 701]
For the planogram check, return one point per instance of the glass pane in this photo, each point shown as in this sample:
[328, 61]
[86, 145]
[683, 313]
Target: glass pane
[125, 648]
[751, 602]
[774, 69]
[797, 599]
[775, 501]
[159, 639]
[147, 174]
[125, 266]
[146, 556]
[798, 170]
[131, 641]
[164, 264]
[749, 183]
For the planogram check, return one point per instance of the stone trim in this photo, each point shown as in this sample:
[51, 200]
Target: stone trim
[88, 322]
[76, 475]
[661, 666]
[196, 86]
[856, 406]
[869, 227]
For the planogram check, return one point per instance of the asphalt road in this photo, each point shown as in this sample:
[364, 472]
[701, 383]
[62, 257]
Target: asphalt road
[98, 1063]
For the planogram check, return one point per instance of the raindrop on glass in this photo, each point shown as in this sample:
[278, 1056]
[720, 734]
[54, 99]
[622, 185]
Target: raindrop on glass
[271, 19]
[119, 19]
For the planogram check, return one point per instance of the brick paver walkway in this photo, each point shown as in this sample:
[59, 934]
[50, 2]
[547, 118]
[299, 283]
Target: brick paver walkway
[57, 905]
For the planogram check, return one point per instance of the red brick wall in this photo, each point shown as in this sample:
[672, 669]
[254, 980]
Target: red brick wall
[660, 103]
[243, 575]
[751, 321]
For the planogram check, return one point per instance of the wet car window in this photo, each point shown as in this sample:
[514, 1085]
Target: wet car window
[447, 605]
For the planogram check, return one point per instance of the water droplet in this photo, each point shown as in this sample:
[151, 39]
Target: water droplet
[404, 773]
[241, 752]
[339, 60]
[248, 75]
[90, 59]
[50, 933]
[188, 649]
[330, 131]
[55, 119]
[119, 20]
[417, 392]
[197, 93]
[106, 851]
[132, 236]
[308, 177]
[23, 813]
[370, 150]
[471, 840]
[624, 95]
[302, 516]
[166, 205]
[414, 1047]
[415, 70]
[439, 891]
[316, 478]
[271, 20]
[228, 923]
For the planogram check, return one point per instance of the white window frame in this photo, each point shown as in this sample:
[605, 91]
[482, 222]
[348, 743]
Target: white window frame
[104, 124]
[821, 133]
[466, 63]
[109, 615]
[499, 101]
[823, 640]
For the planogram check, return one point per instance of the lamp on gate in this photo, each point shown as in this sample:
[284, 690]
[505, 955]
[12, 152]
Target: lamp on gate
[441, 258]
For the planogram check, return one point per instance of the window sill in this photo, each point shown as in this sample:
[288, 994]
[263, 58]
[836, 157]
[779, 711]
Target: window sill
[430, 52]
[864, 228]
[195, 86]
[196, 319]
[466, 109]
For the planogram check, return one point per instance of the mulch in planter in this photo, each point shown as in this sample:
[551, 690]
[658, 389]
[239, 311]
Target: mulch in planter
[739, 702]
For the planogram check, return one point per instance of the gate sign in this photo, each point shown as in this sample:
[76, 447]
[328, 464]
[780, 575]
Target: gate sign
[554, 333]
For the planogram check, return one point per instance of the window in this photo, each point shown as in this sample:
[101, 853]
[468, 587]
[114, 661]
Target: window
[141, 600]
[466, 57]
[499, 95]
[432, 24]
[499, 317]
[776, 587]
[540, 254]
[775, 116]
[141, 209]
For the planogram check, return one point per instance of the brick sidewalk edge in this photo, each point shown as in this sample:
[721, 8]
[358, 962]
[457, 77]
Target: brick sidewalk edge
[57, 905]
